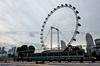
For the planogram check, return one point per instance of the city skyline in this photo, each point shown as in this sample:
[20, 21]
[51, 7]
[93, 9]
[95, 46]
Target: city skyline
[21, 21]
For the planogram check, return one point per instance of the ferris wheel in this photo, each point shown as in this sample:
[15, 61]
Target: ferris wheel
[61, 24]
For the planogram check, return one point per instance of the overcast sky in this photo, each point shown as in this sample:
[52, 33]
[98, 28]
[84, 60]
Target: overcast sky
[21, 20]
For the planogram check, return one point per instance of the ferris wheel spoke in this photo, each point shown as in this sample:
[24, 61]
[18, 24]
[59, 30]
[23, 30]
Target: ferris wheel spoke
[64, 36]
[47, 35]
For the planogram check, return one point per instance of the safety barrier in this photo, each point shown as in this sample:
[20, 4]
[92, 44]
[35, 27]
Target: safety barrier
[46, 62]
[10, 65]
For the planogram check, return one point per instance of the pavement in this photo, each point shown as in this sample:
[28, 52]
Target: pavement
[75, 64]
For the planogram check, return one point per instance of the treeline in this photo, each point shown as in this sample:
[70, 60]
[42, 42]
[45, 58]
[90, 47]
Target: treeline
[24, 49]
[72, 48]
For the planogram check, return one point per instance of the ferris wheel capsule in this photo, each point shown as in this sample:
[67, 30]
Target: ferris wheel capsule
[74, 39]
[62, 5]
[41, 29]
[77, 12]
[41, 34]
[48, 14]
[70, 5]
[66, 5]
[58, 6]
[42, 25]
[77, 32]
[51, 11]
[79, 24]
[54, 8]
[79, 17]
[74, 8]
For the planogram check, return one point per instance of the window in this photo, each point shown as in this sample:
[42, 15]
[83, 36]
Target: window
[44, 54]
[50, 54]
[39, 54]
[56, 54]
[72, 53]
[64, 53]
[80, 53]
[33, 55]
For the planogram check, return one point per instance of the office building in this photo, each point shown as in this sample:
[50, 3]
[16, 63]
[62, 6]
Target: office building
[63, 45]
[90, 45]
[89, 41]
[3, 52]
[97, 42]
[9, 51]
[12, 51]
[3, 48]
[0, 50]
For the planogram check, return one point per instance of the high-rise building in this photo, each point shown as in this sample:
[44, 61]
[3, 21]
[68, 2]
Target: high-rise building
[97, 42]
[14, 50]
[0, 50]
[3, 48]
[90, 45]
[63, 45]
[89, 40]
[9, 51]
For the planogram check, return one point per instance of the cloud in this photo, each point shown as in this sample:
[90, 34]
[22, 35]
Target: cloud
[31, 34]
[24, 17]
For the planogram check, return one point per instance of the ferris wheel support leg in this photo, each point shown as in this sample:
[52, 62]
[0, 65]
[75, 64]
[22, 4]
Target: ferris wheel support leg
[58, 39]
[51, 38]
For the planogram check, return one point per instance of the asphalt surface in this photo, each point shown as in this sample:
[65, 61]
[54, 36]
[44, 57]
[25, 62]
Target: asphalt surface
[50, 64]
[74, 64]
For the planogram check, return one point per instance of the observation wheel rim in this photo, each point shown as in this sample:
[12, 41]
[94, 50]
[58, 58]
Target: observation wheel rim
[53, 11]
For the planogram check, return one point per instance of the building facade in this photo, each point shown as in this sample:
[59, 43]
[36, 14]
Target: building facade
[63, 45]
[90, 45]
[97, 42]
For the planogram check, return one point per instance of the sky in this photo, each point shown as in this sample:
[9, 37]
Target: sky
[21, 20]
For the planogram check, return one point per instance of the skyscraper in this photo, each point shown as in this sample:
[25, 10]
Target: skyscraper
[14, 50]
[9, 51]
[89, 40]
[63, 45]
[0, 50]
[97, 42]
[90, 45]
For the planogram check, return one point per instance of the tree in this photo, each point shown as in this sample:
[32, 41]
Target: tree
[71, 48]
[76, 48]
[24, 49]
[31, 49]
[66, 49]
[9, 55]
[69, 45]
[19, 51]
[94, 54]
